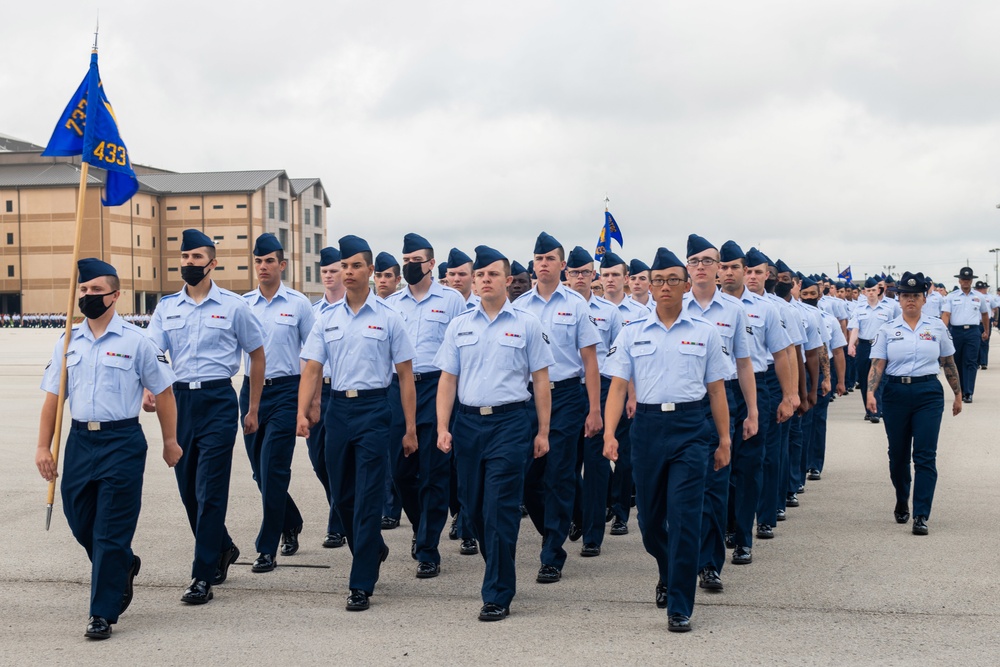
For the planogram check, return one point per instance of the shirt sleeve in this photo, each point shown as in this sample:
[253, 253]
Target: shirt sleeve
[154, 331]
[401, 345]
[155, 373]
[619, 363]
[741, 346]
[586, 332]
[53, 371]
[776, 337]
[249, 332]
[306, 321]
[947, 344]
[716, 367]
[315, 347]
[879, 344]
[447, 357]
[946, 304]
[539, 351]
[984, 306]
[617, 322]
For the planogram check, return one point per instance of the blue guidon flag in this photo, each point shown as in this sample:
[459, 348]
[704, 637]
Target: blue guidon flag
[609, 231]
[88, 128]
[846, 274]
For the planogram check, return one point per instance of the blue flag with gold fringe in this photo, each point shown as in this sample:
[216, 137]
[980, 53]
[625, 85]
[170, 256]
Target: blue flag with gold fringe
[609, 231]
[88, 128]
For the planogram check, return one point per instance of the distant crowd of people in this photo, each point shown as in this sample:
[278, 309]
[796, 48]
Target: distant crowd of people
[56, 320]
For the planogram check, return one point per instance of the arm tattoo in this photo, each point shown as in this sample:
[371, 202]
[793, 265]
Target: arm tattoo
[951, 373]
[824, 362]
[875, 374]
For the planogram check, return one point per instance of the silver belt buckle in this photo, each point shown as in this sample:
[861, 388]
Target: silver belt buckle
[93, 426]
[416, 377]
[326, 380]
[351, 393]
[552, 385]
[194, 385]
[668, 407]
[906, 379]
[488, 410]
[268, 382]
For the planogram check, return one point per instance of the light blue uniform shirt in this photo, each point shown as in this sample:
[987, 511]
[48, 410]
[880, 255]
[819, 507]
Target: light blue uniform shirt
[835, 336]
[494, 360]
[868, 320]
[669, 365]
[932, 306]
[897, 310]
[730, 320]
[362, 348]
[632, 310]
[767, 335]
[205, 340]
[317, 309]
[608, 320]
[650, 305]
[790, 319]
[106, 376]
[913, 352]
[965, 308]
[834, 306]
[286, 322]
[811, 325]
[565, 320]
[471, 302]
[427, 319]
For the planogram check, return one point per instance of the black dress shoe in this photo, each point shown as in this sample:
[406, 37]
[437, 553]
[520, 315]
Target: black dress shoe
[132, 571]
[98, 628]
[590, 550]
[524, 511]
[781, 515]
[609, 515]
[493, 612]
[264, 563]
[919, 525]
[427, 570]
[383, 553]
[548, 574]
[413, 548]
[290, 541]
[730, 540]
[334, 541]
[453, 533]
[868, 417]
[814, 475]
[357, 600]
[619, 527]
[388, 523]
[709, 579]
[791, 500]
[199, 592]
[742, 556]
[875, 419]
[801, 489]
[902, 512]
[575, 532]
[764, 531]
[967, 398]
[678, 623]
[469, 547]
[227, 558]
[661, 595]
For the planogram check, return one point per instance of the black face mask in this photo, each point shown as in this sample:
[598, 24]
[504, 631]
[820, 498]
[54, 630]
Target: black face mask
[92, 305]
[193, 275]
[811, 302]
[769, 285]
[781, 290]
[413, 273]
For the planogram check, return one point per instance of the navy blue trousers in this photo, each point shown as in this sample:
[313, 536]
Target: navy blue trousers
[316, 443]
[270, 451]
[206, 431]
[815, 452]
[912, 422]
[967, 343]
[592, 485]
[357, 436]
[984, 350]
[550, 485]
[668, 457]
[864, 364]
[714, 512]
[747, 465]
[490, 451]
[775, 442]
[423, 478]
[622, 484]
[101, 495]
[393, 506]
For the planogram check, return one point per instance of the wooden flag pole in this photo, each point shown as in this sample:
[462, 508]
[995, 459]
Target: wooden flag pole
[60, 405]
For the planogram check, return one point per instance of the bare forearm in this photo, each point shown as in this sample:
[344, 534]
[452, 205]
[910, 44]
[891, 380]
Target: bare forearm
[951, 374]
[875, 374]
[166, 413]
[445, 401]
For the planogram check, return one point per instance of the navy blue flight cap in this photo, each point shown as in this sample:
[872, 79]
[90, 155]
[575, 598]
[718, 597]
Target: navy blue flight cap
[485, 256]
[755, 257]
[328, 256]
[531, 268]
[442, 270]
[266, 244]
[665, 260]
[839, 285]
[414, 242]
[730, 252]
[194, 238]
[782, 267]
[351, 245]
[92, 267]
[698, 244]
[578, 257]
[889, 280]
[808, 282]
[516, 269]
[637, 266]
[562, 276]
[871, 282]
[384, 261]
[546, 243]
[611, 260]
[457, 258]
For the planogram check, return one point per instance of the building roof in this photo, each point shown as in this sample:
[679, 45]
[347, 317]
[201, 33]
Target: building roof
[39, 175]
[210, 182]
[13, 145]
[300, 185]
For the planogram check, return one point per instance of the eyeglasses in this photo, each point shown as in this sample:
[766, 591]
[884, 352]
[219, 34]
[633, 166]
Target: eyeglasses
[704, 261]
[574, 273]
[673, 282]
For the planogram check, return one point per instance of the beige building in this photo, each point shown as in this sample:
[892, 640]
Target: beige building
[141, 238]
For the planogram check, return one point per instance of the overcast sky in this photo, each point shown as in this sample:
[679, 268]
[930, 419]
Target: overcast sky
[865, 133]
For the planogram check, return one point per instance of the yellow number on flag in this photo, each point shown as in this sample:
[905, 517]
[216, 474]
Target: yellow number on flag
[109, 152]
[99, 151]
[122, 157]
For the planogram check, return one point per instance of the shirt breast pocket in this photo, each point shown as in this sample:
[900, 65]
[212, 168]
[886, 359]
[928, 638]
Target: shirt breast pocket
[287, 320]
[727, 342]
[564, 329]
[693, 359]
[216, 328]
[115, 373]
[371, 342]
[176, 330]
[644, 362]
[74, 371]
[511, 356]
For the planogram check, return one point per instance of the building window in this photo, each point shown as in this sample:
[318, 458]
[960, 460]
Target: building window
[308, 244]
[172, 269]
[241, 206]
[318, 241]
[10, 270]
[154, 273]
[171, 238]
[137, 209]
[241, 237]
[216, 207]
[138, 240]
[154, 245]
[317, 216]
[242, 268]
[317, 191]
[153, 214]
[270, 210]
[10, 238]
[10, 205]
[283, 237]
[195, 207]
[308, 274]
[171, 208]
[282, 183]
[305, 216]
[318, 274]
[138, 272]
[283, 210]
[218, 238]
[220, 268]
